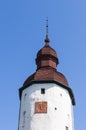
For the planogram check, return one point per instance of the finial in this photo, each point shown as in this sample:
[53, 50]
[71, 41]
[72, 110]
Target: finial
[47, 39]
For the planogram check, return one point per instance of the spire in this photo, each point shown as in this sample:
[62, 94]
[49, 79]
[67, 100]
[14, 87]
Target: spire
[47, 39]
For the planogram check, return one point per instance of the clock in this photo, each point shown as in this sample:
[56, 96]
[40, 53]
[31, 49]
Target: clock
[41, 107]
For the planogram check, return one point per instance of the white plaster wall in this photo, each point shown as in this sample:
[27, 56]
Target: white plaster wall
[56, 97]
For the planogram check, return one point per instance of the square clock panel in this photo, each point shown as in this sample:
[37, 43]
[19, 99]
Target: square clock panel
[41, 107]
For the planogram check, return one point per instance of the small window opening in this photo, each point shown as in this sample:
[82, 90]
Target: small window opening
[42, 90]
[61, 94]
[55, 108]
[24, 113]
[67, 128]
[25, 94]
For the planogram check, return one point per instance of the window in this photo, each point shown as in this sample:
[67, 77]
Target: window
[42, 90]
[55, 108]
[24, 113]
[25, 96]
[67, 128]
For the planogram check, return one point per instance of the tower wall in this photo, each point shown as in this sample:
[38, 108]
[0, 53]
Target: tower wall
[45, 106]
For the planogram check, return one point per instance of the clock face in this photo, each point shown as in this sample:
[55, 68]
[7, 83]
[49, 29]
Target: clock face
[41, 107]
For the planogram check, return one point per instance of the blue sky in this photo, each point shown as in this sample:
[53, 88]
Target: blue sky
[22, 34]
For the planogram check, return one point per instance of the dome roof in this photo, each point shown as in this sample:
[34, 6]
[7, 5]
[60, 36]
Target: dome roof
[47, 61]
[46, 57]
[47, 74]
[47, 50]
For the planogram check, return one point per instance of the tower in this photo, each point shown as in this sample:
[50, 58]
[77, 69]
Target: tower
[46, 100]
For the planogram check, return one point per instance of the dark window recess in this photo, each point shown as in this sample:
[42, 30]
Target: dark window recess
[67, 128]
[25, 94]
[24, 113]
[42, 90]
[61, 94]
[55, 108]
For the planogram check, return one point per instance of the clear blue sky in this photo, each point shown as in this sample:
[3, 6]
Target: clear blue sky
[22, 33]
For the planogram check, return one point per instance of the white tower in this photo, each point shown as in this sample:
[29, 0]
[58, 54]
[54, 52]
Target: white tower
[46, 100]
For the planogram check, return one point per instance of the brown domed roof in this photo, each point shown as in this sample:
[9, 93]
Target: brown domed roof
[47, 61]
[47, 73]
[46, 56]
[47, 50]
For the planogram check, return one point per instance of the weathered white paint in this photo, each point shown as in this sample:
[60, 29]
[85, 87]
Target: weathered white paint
[56, 97]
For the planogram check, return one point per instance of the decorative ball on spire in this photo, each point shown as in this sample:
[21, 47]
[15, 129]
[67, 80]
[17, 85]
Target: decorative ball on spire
[47, 40]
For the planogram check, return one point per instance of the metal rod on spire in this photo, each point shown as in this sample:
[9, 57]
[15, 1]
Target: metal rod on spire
[47, 26]
[47, 39]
